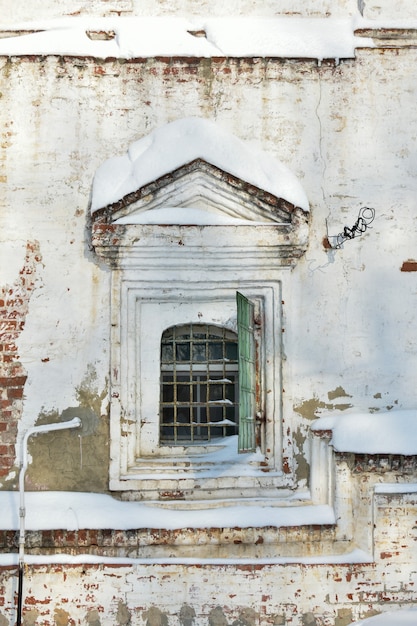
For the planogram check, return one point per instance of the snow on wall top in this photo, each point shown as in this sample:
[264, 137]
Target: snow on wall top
[130, 37]
[180, 142]
[75, 510]
[389, 432]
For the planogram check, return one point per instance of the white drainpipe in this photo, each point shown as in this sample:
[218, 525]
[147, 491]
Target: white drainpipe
[46, 428]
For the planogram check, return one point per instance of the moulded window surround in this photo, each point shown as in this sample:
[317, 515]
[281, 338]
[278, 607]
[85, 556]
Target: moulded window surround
[148, 308]
[177, 275]
[172, 282]
[214, 469]
[171, 278]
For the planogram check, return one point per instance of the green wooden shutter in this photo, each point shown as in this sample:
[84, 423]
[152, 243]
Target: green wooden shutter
[247, 373]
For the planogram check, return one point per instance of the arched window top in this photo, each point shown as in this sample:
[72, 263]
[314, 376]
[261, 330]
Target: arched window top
[198, 342]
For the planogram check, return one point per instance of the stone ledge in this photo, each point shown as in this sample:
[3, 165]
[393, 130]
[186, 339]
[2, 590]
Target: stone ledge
[268, 542]
[379, 463]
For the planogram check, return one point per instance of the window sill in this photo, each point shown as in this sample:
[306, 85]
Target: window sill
[203, 472]
[219, 453]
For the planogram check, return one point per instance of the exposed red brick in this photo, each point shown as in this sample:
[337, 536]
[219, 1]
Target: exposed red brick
[14, 302]
[285, 465]
[386, 555]
[409, 266]
[32, 600]
[17, 381]
[15, 393]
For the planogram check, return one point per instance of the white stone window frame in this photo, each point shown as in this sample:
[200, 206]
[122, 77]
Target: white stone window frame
[151, 309]
[164, 275]
[179, 248]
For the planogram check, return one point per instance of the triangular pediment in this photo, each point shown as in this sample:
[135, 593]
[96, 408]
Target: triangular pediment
[200, 192]
[195, 164]
[191, 173]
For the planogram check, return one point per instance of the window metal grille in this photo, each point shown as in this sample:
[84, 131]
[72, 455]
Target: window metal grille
[199, 383]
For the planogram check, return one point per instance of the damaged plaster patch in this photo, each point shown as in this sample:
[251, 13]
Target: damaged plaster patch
[93, 618]
[387, 407]
[14, 307]
[303, 467]
[62, 617]
[217, 617]
[339, 392]
[344, 617]
[76, 460]
[87, 393]
[90, 421]
[30, 617]
[409, 266]
[187, 615]
[247, 617]
[123, 616]
[309, 408]
[155, 617]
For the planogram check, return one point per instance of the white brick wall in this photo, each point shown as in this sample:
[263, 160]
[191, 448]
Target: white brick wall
[348, 131]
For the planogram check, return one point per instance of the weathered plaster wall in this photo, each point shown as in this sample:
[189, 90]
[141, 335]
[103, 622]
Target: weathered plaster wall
[14, 306]
[245, 595]
[285, 592]
[349, 318]
[349, 132]
[51, 9]
[57, 8]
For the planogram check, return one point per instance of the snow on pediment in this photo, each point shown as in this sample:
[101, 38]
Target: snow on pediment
[200, 193]
[192, 171]
[181, 216]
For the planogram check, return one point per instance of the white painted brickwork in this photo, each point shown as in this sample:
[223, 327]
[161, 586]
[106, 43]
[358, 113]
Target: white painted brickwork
[348, 131]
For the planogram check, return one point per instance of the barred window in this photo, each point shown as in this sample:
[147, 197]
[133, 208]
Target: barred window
[199, 384]
[208, 381]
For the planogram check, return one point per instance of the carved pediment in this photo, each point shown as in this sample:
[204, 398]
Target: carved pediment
[191, 173]
[200, 187]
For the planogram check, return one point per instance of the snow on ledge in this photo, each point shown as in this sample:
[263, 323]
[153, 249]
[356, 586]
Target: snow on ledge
[388, 432]
[171, 146]
[395, 488]
[141, 37]
[49, 510]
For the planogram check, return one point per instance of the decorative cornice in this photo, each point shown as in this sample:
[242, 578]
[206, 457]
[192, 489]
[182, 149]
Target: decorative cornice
[201, 183]
[257, 224]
